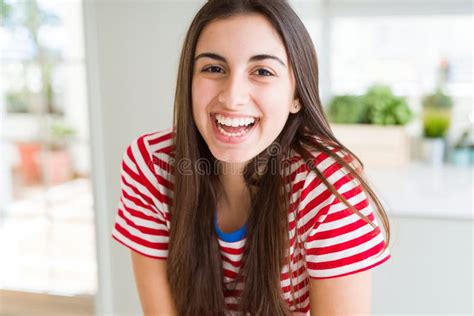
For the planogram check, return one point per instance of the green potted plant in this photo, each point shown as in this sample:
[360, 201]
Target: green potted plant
[347, 109]
[436, 117]
[17, 101]
[372, 125]
[385, 108]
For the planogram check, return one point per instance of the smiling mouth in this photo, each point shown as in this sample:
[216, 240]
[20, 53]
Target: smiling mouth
[234, 131]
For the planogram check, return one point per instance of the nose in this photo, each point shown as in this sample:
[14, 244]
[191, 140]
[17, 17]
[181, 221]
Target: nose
[235, 91]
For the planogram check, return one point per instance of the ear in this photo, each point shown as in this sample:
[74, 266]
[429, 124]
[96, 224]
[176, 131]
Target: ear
[295, 107]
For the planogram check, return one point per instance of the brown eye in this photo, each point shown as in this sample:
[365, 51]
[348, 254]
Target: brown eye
[212, 69]
[264, 73]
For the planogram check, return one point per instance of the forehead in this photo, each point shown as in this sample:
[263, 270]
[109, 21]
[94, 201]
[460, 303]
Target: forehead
[241, 36]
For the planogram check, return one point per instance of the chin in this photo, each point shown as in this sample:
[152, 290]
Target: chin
[233, 157]
[239, 161]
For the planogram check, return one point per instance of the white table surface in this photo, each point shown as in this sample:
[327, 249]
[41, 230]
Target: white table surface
[421, 190]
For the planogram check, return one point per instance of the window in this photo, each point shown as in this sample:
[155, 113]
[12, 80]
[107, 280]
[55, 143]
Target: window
[45, 189]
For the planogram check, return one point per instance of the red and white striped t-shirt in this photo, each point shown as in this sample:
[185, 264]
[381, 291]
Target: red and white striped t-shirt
[332, 240]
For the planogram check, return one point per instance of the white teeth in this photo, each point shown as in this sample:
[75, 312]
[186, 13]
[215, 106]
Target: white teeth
[227, 121]
[234, 121]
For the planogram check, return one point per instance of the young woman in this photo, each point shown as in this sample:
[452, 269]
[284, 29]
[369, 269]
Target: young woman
[249, 204]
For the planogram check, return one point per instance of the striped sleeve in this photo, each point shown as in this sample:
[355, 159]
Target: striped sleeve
[337, 241]
[140, 221]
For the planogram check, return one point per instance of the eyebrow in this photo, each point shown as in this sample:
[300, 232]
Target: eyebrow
[253, 58]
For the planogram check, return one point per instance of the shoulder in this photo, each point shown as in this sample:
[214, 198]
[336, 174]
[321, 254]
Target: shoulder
[155, 142]
[317, 175]
[151, 148]
[317, 164]
[150, 156]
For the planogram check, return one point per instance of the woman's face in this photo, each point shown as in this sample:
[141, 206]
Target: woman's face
[243, 87]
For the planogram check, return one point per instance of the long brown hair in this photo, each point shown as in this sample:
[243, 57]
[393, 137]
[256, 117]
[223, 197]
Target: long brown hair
[194, 261]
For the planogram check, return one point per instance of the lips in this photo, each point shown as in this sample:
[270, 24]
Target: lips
[233, 127]
[232, 135]
[229, 115]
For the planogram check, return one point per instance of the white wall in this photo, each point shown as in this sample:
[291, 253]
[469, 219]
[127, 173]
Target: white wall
[430, 271]
[132, 51]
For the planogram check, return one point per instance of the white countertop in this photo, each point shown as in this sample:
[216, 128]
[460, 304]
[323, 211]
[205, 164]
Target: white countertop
[421, 190]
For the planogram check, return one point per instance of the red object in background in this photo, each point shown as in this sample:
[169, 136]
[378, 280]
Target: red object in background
[29, 162]
[57, 166]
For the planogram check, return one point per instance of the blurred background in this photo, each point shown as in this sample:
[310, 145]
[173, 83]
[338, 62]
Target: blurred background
[80, 79]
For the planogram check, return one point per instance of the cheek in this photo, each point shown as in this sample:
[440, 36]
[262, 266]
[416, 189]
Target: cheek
[203, 91]
[198, 97]
[275, 102]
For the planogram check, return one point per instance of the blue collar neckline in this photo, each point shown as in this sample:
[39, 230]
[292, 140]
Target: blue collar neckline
[236, 235]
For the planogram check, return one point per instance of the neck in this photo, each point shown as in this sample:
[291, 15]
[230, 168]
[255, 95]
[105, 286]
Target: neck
[235, 193]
